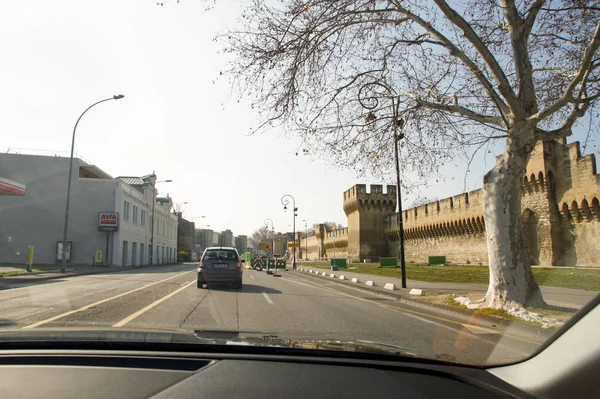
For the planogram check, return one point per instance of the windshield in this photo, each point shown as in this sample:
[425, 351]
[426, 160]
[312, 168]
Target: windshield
[410, 178]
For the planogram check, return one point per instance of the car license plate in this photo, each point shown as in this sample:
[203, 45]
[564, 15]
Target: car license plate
[221, 265]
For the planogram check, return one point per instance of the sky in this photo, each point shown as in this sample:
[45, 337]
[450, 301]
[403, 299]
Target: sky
[177, 119]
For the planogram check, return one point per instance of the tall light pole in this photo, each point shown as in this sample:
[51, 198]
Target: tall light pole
[63, 268]
[285, 203]
[371, 102]
[154, 182]
[272, 233]
[305, 240]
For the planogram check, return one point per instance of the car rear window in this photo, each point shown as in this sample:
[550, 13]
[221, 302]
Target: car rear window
[226, 254]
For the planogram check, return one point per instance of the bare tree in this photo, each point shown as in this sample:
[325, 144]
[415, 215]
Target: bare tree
[450, 76]
[263, 235]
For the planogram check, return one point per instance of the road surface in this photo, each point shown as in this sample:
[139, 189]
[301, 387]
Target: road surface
[166, 297]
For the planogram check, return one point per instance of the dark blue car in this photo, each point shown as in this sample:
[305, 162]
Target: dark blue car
[220, 265]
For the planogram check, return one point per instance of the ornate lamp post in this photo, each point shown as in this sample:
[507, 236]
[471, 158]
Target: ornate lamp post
[370, 102]
[285, 203]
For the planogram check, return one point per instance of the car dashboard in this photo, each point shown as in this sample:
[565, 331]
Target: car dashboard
[112, 373]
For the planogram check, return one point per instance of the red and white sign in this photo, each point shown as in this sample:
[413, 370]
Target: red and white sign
[108, 221]
[9, 187]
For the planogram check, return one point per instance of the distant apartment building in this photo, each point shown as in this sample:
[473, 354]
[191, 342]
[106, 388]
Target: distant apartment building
[204, 238]
[185, 238]
[241, 243]
[226, 239]
[109, 215]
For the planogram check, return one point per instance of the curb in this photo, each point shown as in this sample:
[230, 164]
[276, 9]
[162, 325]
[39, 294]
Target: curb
[402, 295]
[115, 269]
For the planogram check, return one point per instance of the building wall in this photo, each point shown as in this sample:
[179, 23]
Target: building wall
[38, 218]
[560, 212]
[366, 211]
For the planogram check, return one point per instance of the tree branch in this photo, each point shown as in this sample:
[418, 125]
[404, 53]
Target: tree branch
[533, 13]
[483, 50]
[568, 95]
[458, 109]
[565, 130]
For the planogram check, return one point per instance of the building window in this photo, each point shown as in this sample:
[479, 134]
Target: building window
[143, 217]
[135, 214]
[157, 226]
[126, 210]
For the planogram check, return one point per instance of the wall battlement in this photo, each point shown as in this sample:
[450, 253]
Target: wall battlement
[374, 200]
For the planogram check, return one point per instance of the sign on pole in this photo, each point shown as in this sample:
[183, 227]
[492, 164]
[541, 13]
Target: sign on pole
[266, 247]
[98, 257]
[108, 221]
[293, 245]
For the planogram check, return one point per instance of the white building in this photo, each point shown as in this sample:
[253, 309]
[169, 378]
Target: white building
[37, 218]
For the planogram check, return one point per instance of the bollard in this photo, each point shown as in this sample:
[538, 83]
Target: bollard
[30, 250]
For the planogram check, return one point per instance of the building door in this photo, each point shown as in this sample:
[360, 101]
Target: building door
[134, 254]
[530, 231]
[125, 254]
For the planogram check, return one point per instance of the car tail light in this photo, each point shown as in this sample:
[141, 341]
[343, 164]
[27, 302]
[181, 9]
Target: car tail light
[238, 265]
[201, 264]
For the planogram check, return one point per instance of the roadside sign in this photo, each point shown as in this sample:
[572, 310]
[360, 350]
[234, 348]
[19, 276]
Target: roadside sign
[334, 227]
[98, 257]
[266, 247]
[293, 245]
[108, 221]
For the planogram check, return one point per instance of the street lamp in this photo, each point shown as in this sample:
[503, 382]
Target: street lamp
[305, 240]
[285, 203]
[272, 233]
[63, 268]
[370, 103]
[154, 182]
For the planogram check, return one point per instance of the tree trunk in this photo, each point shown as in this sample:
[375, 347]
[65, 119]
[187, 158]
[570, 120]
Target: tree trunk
[512, 284]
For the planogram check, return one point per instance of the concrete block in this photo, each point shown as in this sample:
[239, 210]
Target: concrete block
[355, 280]
[332, 275]
[342, 277]
[324, 274]
[370, 283]
[416, 291]
[389, 286]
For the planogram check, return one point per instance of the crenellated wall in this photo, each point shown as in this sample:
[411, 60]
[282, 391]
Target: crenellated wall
[561, 215]
[560, 210]
[366, 211]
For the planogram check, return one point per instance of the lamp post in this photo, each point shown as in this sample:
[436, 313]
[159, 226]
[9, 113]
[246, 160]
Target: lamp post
[267, 221]
[371, 102]
[305, 239]
[285, 203]
[63, 268]
[154, 182]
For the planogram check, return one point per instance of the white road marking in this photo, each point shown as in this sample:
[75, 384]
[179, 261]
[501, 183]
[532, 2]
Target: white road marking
[153, 304]
[267, 298]
[252, 277]
[60, 316]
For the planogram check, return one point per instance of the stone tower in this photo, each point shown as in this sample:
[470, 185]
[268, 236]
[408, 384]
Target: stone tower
[366, 213]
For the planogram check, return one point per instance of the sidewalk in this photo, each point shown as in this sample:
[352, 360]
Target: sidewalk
[557, 296]
[47, 272]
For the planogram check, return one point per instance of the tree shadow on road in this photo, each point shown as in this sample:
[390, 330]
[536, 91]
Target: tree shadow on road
[246, 288]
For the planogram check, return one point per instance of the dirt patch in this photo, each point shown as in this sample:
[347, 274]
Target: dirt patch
[552, 316]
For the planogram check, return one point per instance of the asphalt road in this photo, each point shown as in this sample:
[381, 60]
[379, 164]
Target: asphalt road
[166, 297]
